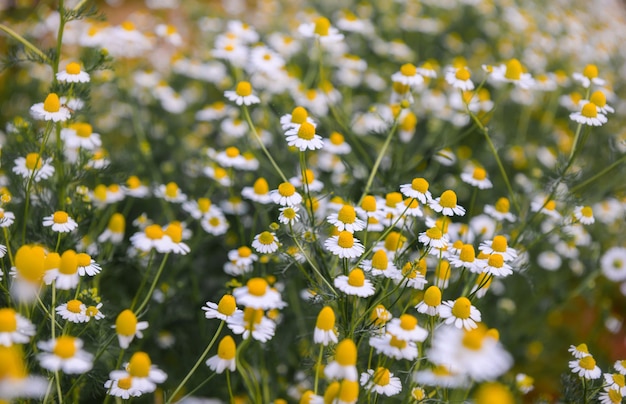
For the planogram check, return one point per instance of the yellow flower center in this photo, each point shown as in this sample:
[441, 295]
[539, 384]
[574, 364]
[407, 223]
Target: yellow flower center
[252, 317]
[432, 296]
[243, 89]
[92, 311]
[590, 71]
[8, 320]
[551, 205]
[128, 26]
[467, 253]
[473, 339]
[244, 252]
[619, 379]
[306, 131]
[369, 203]
[380, 261]
[598, 98]
[100, 192]
[83, 259]
[347, 214]
[52, 261]
[408, 69]
[257, 286]
[309, 177]
[345, 240]
[232, 152]
[171, 190]
[286, 189]
[479, 174]
[408, 322]
[589, 110]
[499, 244]
[400, 88]
[227, 349]
[448, 199]
[65, 347]
[420, 185]
[139, 365]
[513, 70]
[73, 68]
[74, 306]
[394, 241]
[175, 231]
[154, 232]
[266, 238]
[397, 343]
[434, 233]
[204, 204]
[322, 26]
[349, 391]
[69, 263]
[33, 161]
[462, 74]
[126, 323]
[356, 278]
[289, 214]
[299, 115]
[117, 223]
[587, 363]
[615, 396]
[214, 221]
[82, 129]
[125, 383]
[133, 182]
[587, 211]
[326, 319]
[392, 199]
[492, 392]
[336, 138]
[503, 205]
[409, 122]
[381, 376]
[227, 305]
[11, 363]
[346, 352]
[52, 103]
[461, 308]
[60, 217]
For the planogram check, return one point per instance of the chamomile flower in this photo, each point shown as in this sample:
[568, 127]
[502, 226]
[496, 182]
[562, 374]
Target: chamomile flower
[584, 214]
[431, 303]
[33, 165]
[589, 75]
[242, 95]
[381, 265]
[173, 233]
[496, 266]
[94, 312]
[73, 74]
[343, 366]
[447, 204]
[336, 144]
[382, 381]
[408, 76]
[253, 322]
[215, 224]
[585, 367]
[346, 220]
[81, 135]
[477, 177]
[224, 310]
[124, 388]
[127, 328]
[460, 312]
[325, 331]
[151, 237]
[64, 353]
[322, 30]
[258, 294]
[512, 72]
[225, 358]
[115, 230]
[60, 222]
[355, 284]
[499, 245]
[135, 188]
[289, 215]
[613, 264]
[304, 137]
[394, 347]
[620, 366]
[259, 192]
[460, 78]
[588, 115]
[440, 376]
[14, 328]
[524, 383]
[73, 311]
[170, 192]
[466, 258]
[63, 271]
[298, 116]
[50, 110]
[265, 242]
[344, 245]
[15, 382]
[546, 207]
[406, 328]
[145, 376]
[615, 381]
[418, 188]
[412, 277]
[610, 396]
[231, 157]
[434, 238]
[243, 256]
[6, 218]
[286, 195]
[599, 99]
[307, 182]
[501, 210]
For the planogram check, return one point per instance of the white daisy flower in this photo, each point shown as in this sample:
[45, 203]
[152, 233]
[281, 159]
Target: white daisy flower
[447, 204]
[477, 177]
[431, 303]
[224, 310]
[145, 376]
[304, 137]
[355, 284]
[215, 224]
[512, 72]
[80, 135]
[460, 78]
[346, 220]
[586, 367]
[460, 312]
[231, 157]
[73, 74]
[322, 30]
[258, 294]
[243, 94]
[50, 110]
[6, 218]
[599, 99]
[406, 328]
[589, 115]
[343, 366]
[501, 210]
[382, 381]
[325, 331]
[170, 192]
[286, 195]
[289, 215]
[33, 165]
[344, 245]
[588, 76]
[252, 322]
[259, 192]
[381, 265]
[499, 245]
[124, 388]
[418, 188]
[408, 76]
[265, 242]
[14, 328]
[394, 347]
[225, 358]
[434, 238]
[584, 214]
[613, 264]
[64, 353]
[336, 144]
[496, 266]
[127, 328]
[466, 258]
[309, 181]
[73, 311]
[151, 237]
[60, 222]
[94, 312]
[440, 376]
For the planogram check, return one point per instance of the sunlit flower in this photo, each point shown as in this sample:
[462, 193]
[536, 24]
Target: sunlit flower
[355, 284]
[498, 245]
[135, 188]
[460, 78]
[613, 264]
[588, 115]
[6, 218]
[321, 29]
[50, 110]
[447, 204]
[418, 188]
[265, 242]
[170, 192]
[325, 331]
[344, 245]
[151, 237]
[224, 310]
[15, 382]
[477, 177]
[584, 214]
[33, 165]
[215, 224]
[496, 266]
[406, 328]
[589, 75]
[252, 322]
[73, 311]
[408, 76]
[585, 367]
[501, 210]
[524, 383]
[258, 294]
[346, 220]
[94, 312]
[512, 72]
[431, 303]
[259, 192]
[304, 137]
[127, 328]
[381, 265]
[336, 144]
[14, 328]
[73, 74]
[289, 215]
[394, 347]
[125, 388]
[60, 222]
[225, 358]
[440, 376]
[243, 94]
[64, 353]
[382, 381]
[460, 312]
[80, 135]
[286, 195]
[115, 230]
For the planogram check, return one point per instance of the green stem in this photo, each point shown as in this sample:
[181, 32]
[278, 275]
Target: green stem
[153, 285]
[379, 159]
[24, 42]
[318, 366]
[58, 383]
[248, 119]
[315, 268]
[195, 367]
[583, 184]
[230, 390]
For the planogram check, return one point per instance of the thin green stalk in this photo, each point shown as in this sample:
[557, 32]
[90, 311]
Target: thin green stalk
[198, 362]
[248, 119]
[58, 384]
[153, 285]
[144, 279]
[24, 42]
[379, 159]
[315, 268]
[57, 56]
[594, 178]
[318, 366]
[8, 245]
[230, 390]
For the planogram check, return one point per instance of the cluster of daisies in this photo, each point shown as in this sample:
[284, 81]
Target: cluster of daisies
[584, 365]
